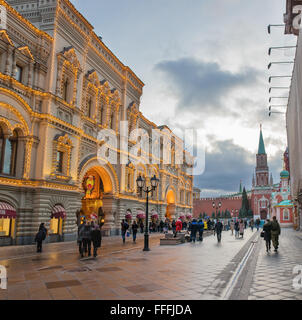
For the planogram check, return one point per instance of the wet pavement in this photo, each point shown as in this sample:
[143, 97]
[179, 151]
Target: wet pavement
[232, 269]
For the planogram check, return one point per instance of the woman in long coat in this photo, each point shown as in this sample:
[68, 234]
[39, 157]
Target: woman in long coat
[267, 228]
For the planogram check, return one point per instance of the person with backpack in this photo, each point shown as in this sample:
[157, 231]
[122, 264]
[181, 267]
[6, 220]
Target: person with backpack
[200, 229]
[134, 230]
[267, 229]
[96, 237]
[40, 236]
[218, 229]
[124, 228]
[275, 232]
[193, 228]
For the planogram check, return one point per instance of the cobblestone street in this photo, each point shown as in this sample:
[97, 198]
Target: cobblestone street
[187, 272]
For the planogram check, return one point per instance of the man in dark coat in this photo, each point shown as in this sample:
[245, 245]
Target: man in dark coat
[193, 228]
[218, 229]
[267, 228]
[85, 233]
[124, 228]
[200, 229]
[96, 237]
[40, 236]
[161, 224]
[276, 231]
[134, 230]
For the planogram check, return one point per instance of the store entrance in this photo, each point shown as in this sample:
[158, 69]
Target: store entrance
[92, 202]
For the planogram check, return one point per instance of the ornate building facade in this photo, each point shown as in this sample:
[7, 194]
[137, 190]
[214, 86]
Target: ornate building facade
[59, 86]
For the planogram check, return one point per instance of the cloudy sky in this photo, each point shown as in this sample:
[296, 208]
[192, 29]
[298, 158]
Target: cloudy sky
[204, 65]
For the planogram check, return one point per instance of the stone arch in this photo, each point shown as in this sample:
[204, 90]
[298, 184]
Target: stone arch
[19, 108]
[10, 199]
[58, 200]
[106, 172]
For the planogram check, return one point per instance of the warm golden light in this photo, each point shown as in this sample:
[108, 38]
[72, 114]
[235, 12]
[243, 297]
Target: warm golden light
[4, 227]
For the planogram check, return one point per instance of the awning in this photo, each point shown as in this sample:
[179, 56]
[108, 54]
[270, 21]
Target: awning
[58, 212]
[7, 211]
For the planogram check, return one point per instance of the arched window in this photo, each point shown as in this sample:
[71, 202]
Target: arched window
[89, 108]
[65, 90]
[14, 148]
[112, 121]
[8, 153]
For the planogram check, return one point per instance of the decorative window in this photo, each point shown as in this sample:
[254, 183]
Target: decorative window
[132, 115]
[19, 73]
[129, 178]
[68, 71]
[61, 158]
[286, 215]
[8, 153]
[65, 90]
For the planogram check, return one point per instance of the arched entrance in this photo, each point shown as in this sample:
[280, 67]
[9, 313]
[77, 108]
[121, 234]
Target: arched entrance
[93, 186]
[170, 198]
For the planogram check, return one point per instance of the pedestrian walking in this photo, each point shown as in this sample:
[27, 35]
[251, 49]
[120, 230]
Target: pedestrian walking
[178, 227]
[193, 228]
[245, 223]
[236, 227]
[86, 238]
[267, 229]
[96, 237]
[134, 230]
[257, 224]
[184, 225]
[174, 226]
[252, 224]
[232, 225]
[124, 228]
[275, 232]
[218, 229]
[200, 229]
[142, 227]
[241, 228]
[161, 225]
[80, 239]
[40, 236]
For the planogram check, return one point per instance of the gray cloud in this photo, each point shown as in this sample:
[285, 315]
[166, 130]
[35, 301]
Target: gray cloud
[201, 86]
[228, 164]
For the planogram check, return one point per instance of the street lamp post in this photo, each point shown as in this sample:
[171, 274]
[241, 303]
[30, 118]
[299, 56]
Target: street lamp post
[217, 206]
[140, 184]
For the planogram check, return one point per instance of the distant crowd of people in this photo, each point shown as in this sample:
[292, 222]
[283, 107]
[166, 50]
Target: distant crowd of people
[89, 232]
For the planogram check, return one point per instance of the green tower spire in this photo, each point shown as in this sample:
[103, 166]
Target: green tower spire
[240, 188]
[261, 148]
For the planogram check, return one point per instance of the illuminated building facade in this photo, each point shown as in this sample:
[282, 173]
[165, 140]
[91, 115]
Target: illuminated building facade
[59, 86]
